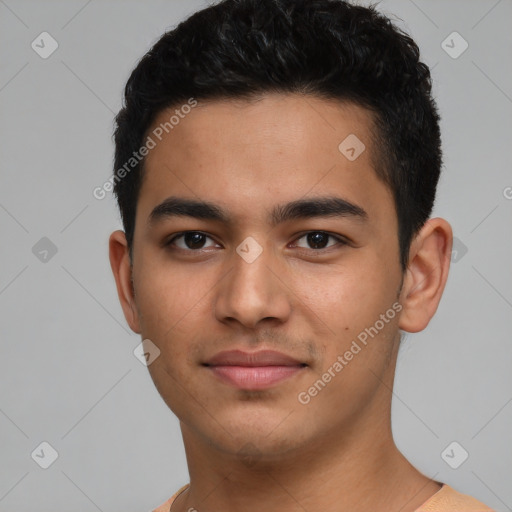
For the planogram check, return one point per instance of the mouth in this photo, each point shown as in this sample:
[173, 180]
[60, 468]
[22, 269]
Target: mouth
[253, 371]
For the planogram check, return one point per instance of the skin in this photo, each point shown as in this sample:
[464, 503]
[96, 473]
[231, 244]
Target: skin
[265, 450]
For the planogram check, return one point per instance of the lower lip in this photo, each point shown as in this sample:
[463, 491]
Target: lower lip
[254, 377]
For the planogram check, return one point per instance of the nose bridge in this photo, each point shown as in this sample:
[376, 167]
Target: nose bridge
[251, 291]
[251, 266]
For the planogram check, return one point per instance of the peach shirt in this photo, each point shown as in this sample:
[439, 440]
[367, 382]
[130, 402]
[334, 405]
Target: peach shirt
[446, 499]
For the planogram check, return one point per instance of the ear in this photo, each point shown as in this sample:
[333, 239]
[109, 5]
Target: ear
[426, 274]
[121, 268]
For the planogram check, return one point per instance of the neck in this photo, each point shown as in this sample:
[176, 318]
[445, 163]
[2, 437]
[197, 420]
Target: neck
[356, 468]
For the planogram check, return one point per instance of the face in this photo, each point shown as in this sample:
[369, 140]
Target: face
[315, 282]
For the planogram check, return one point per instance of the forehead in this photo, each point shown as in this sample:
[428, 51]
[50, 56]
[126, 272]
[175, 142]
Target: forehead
[248, 155]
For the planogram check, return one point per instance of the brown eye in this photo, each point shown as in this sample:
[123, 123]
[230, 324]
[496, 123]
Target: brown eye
[190, 240]
[318, 240]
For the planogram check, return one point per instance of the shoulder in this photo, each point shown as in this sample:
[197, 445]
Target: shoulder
[164, 507]
[448, 499]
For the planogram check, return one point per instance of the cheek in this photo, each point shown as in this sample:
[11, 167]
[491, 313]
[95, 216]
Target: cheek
[174, 304]
[350, 303]
[170, 302]
[166, 295]
[345, 298]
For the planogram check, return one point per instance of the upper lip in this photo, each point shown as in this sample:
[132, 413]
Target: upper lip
[261, 358]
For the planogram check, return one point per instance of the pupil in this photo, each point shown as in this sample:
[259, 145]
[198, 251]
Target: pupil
[194, 240]
[315, 240]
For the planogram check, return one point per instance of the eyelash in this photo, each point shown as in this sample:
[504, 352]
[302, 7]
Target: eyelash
[341, 241]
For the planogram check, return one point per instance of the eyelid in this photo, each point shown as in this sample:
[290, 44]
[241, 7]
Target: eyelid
[341, 240]
[168, 241]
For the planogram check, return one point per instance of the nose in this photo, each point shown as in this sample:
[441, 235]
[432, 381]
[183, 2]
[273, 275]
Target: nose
[253, 291]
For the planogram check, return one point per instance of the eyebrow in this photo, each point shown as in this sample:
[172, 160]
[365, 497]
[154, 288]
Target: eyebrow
[330, 206]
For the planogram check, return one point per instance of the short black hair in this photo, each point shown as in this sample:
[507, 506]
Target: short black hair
[327, 48]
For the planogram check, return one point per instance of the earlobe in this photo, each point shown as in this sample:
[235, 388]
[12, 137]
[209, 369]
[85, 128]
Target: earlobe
[121, 268]
[426, 274]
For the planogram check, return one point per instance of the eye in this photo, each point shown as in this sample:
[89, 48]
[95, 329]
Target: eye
[191, 241]
[318, 240]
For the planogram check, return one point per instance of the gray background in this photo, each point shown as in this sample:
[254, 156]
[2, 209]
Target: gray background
[68, 373]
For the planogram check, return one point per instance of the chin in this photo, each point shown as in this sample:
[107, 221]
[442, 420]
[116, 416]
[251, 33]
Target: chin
[258, 440]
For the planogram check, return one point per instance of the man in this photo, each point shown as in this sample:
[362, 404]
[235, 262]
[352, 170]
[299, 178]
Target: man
[276, 165]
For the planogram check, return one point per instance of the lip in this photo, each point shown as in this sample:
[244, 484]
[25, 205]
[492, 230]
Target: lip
[253, 370]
